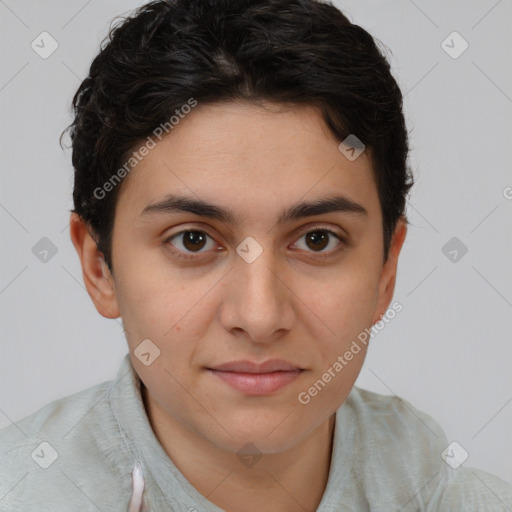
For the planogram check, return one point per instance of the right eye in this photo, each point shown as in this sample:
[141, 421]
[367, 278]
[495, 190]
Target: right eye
[189, 242]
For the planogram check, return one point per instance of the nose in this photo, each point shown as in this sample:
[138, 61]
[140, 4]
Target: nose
[257, 303]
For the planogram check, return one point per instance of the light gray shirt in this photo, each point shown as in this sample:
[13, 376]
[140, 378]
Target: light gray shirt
[79, 454]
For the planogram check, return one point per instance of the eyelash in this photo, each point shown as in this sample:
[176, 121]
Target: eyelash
[194, 256]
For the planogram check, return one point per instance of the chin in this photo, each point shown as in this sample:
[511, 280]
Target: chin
[265, 437]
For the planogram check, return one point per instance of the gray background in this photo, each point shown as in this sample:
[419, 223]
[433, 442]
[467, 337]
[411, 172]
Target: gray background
[448, 352]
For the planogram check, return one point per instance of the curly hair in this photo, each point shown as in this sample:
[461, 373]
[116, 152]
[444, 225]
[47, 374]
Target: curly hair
[294, 52]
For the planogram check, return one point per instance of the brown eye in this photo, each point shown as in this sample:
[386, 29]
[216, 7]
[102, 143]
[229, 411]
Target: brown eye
[320, 239]
[191, 241]
[317, 240]
[194, 240]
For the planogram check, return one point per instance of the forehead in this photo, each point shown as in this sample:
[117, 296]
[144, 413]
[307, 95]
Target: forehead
[248, 157]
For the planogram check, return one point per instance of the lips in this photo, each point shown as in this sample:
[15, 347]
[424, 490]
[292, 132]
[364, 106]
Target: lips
[269, 366]
[257, 379]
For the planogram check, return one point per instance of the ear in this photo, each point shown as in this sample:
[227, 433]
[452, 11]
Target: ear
[389, 269]
[97, 278]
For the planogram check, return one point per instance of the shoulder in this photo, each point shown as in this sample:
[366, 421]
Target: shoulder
[396, 418]
[393, 432]
[57, 450]
[400, 459]
[56, 417]
[55, 420]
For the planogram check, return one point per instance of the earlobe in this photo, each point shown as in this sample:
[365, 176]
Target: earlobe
[389, 270]
[96, 275]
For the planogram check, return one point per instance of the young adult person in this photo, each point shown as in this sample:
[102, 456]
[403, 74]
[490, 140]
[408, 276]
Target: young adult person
[239, 201]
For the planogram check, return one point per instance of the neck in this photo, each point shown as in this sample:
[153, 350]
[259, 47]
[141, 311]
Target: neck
[289, 481]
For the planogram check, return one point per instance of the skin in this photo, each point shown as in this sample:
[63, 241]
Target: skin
[290, 303]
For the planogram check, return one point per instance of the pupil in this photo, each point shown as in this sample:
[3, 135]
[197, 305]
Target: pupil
[192, 239]
[318, 237]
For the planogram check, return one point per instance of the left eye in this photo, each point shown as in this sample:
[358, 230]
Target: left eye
[319, 239]
[192, 241]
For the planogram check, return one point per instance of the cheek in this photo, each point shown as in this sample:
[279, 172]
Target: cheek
[347, 310]
[142, 308]
[170, 310]
[346, 301]
[345, 305]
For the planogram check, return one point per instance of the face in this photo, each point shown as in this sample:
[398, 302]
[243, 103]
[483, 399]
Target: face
[252, 279]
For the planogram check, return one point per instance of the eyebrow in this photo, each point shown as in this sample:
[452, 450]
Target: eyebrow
[176, 204]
